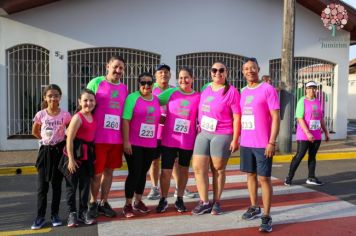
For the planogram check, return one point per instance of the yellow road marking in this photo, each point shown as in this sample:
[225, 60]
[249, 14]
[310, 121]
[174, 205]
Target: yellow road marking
[26, 231]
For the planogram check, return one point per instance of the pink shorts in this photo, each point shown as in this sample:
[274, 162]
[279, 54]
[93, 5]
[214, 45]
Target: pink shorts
[107, 156]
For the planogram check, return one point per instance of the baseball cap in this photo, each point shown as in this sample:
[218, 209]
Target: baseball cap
[161, 66]
[311, 84]
[253, 59]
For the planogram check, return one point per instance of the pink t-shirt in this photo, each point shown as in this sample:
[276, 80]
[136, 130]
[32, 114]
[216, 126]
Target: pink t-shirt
[110, 99]
[144, 116]
[311, 112]
[182, 110]
[256, 121]
[157, 91]
[52, 127]
[216, 110]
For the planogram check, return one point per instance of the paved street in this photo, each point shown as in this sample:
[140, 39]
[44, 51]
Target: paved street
[297, 210]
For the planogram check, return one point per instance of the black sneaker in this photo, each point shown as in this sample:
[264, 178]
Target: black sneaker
[252, 213]
[287, 181]
[39, 222]
[105, 209]
[162, 205]
[72, 220]
[93, 209]
[266, 224]
[314, 181]
[56, 221]
[202, 208]
[85, 218]
[179, 205]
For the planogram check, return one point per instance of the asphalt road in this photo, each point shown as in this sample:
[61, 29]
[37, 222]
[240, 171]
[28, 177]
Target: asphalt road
[18, 195]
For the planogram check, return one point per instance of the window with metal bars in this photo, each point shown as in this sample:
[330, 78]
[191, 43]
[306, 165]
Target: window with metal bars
[310, 69]
[86, 64]
[201, 63]
[27, 70]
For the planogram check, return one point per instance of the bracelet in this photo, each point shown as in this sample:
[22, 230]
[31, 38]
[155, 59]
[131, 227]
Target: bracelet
[273, 144]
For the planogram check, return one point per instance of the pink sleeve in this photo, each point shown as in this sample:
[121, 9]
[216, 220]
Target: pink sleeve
[235, 103]
[38, 117]
[272, 99]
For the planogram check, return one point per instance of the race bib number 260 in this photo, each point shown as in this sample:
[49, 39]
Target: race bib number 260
[112, 122]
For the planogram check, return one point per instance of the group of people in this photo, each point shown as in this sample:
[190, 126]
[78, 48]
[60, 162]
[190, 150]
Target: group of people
[179, 125]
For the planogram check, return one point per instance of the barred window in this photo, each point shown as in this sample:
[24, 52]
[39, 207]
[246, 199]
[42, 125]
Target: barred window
[27, 69]
[307, 69]
[85, 64]
[201, 63]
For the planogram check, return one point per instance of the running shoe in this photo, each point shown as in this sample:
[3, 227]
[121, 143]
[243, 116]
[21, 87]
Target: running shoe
[216, 210]
[162, 205]
[179, 205]
[141, 207]
[86, 218]
[266, 224]
[72, 220]
[187, 194]
[288, 181]
[154, 194]
[56, 221]
[93, 209]
[314, 181]
[202, 208]
[39, 222]
[105, 209]
[252, 213]
[128, 211]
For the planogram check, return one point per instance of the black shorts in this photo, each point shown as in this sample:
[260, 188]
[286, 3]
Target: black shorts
[158, 150]
[170, 154]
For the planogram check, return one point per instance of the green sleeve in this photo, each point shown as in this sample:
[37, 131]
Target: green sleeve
[94, 83]
[166, 95]
[299, 113]
[129, 106]
[205, 86]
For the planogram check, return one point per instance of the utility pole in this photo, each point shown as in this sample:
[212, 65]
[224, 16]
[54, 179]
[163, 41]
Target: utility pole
[286, 126]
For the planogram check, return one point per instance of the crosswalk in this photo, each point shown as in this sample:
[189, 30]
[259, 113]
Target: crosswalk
[296, 210]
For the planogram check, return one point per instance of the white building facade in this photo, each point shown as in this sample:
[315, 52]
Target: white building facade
[67, 42]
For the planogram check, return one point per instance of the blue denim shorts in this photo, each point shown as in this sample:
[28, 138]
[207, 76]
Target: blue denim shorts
[253, 160]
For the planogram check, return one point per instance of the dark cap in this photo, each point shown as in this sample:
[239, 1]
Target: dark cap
[253, 59]
[161, 66]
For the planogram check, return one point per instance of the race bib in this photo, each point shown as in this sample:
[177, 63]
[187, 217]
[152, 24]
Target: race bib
[181, 126]
[112, 122]
[147, 131]
[248, 122]
[208, 123]
[314, 125]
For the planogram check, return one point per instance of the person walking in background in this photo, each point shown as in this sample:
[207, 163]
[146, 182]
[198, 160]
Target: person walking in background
[219, 121]
[310, 123]
[49, 126]
[110, 98]
[178, 136]
[81, 157]
[259, 129]
[140, 122]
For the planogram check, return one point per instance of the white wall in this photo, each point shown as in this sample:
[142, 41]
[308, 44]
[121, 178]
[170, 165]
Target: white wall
[352, 97]
[167, 27]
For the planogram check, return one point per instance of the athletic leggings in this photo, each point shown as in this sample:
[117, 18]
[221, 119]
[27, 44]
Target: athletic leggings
[302, 148]
[138, 164]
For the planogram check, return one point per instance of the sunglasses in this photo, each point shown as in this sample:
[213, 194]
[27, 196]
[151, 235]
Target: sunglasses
[143, 83]
[214, 70]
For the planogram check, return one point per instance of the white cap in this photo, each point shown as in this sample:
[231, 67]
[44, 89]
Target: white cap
[311, 84]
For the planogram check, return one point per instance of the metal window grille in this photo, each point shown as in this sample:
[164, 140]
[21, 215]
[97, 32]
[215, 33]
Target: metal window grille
[201, 63]
[85, 64]
[310, 69]
[27, 73]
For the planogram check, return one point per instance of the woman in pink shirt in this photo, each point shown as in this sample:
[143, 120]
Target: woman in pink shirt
[219, 121]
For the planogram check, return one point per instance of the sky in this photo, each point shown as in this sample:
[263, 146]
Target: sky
[352, 48]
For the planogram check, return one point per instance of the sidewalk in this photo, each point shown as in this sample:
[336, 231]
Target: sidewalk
[335, 149]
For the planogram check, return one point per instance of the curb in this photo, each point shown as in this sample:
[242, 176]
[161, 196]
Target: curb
[235, 160]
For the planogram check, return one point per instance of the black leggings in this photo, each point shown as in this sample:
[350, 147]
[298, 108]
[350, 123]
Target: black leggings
[302, 148]
[138, 164]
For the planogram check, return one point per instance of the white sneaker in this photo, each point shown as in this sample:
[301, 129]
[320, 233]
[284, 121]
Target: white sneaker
[154, 194]
[187, 194]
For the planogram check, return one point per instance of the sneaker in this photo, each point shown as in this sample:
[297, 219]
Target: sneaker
[179, 205]
[86, 218]
[127, 211]
[162, 205]
[187, 194]
[216, 210]
[105, 209]
[93, 209]
[56, 221]
[154, 194]
[39, 222]
[252, 213]
[141, 207]
[72, 219]
[287, 181]
[201, 208]
[266, 225]
[314, 181]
